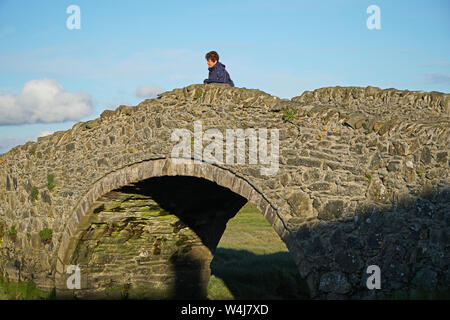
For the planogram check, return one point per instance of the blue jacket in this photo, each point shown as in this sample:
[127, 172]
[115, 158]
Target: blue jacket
[218, 74]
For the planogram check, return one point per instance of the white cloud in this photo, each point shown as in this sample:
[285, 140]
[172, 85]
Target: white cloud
[150, 91]
[43, 101]
[44, 133]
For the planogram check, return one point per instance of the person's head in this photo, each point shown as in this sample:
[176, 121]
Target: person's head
[211, 58]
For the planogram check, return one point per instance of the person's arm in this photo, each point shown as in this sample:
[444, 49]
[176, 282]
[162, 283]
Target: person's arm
[216, 76]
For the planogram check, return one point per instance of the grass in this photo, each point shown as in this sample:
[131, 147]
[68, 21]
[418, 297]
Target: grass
[33, 149]
[249, 230]
[252, 262]
[46, 235]
[50, 182]
[24, 290]
[289, 114]
[2, 229]
[12, 232]
[34, 193]
[198, 93]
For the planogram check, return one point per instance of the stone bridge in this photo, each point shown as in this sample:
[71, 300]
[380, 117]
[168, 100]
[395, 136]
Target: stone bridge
[362, 178]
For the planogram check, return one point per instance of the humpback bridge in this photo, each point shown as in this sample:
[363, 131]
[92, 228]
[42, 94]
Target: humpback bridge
[362, 179]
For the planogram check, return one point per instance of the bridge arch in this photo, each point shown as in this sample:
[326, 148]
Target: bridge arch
[363, 178]
[153, 168]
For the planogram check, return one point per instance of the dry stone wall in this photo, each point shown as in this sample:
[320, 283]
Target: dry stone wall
[363, 179]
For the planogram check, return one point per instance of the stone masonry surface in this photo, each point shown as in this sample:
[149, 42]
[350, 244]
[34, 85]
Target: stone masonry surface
[363, 179]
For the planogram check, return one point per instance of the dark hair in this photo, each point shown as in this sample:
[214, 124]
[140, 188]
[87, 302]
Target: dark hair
[212, 55]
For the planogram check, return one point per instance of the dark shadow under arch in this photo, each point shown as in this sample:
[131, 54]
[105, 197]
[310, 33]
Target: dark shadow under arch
[190, 199]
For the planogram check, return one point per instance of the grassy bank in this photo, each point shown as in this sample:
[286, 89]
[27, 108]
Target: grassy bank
[251, 262]
[25, 290]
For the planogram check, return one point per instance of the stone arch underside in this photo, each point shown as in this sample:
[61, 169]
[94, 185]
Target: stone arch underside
[234, 189]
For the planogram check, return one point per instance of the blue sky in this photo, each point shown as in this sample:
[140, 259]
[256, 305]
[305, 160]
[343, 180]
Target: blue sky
[52, 77]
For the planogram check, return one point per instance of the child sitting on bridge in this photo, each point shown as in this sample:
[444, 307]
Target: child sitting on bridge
[217, 72]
